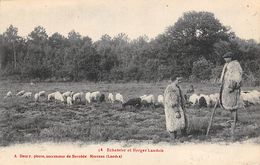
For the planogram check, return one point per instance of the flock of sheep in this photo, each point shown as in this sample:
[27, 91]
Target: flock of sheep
[246, 98]
[71, 98]
[192, 99]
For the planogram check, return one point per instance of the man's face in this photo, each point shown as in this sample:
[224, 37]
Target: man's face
[178, 80]
[228, 59]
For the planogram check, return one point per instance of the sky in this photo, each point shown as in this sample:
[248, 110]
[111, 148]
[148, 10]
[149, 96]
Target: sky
[95, 18]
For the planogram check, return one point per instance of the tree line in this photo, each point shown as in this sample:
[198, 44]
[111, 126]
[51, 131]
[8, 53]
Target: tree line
[192, 47]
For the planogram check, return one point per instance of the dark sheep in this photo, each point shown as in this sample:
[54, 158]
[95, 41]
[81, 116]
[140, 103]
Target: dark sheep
[102, 98]
[136, 102]
[145, 103]
[157, 105]
[202, 102]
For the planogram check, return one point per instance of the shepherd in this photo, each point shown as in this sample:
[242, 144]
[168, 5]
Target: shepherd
[174, 108]
[231, 79]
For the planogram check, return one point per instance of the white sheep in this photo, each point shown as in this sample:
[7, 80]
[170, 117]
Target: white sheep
[78, 96]
[20, 93]
[251, 97]
[256, 92]
[119, 98]
[214, 98]
[256, 95]
[110, 98]
[42, 93]
[148, 99]
[88, 97]
[160, 99]
[69, 100]
[27, 95]
[194, 99]
[143, 96]
[8, 94]
[51, 96]
[95, 96]
[36, 97]
[67, 94]
[241, 103]
[58, 96]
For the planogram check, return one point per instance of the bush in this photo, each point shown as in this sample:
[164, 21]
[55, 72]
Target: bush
[216, 73]
[249, 79]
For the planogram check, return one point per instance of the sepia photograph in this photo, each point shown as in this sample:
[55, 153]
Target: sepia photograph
[130, 82]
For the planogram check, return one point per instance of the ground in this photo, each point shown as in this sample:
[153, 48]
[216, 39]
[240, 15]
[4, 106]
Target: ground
[24, 120]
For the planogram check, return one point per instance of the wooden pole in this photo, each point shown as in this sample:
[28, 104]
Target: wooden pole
[211, 118]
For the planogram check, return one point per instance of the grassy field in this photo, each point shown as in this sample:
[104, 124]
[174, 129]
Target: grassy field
[22, 120]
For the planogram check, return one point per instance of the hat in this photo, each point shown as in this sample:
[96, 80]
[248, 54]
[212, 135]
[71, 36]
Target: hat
[228, 55]
[176, 77]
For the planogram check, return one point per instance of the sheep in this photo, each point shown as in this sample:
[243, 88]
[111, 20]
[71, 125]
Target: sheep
[145, 103]
[95, 96]
[160, 99]
[102, 97]
[142, 97]
[78, 96]
[42, 93]
[69, 100]
[88, 97]
[148, 100]
[36, 97]
[20, 93]
[256, 95]
[51, 96]
[214, 98]
[27, 94]
[110, 98]
[194, 99]
[202, 102]
[136, 102]
[58, 96]
[207, 99]
[119, 98]
[8, 94]
[241, 103]
[67, 94]
[251, 97]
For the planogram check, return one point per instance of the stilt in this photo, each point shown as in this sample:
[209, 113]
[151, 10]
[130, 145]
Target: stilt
[234, 123]
[211, 118]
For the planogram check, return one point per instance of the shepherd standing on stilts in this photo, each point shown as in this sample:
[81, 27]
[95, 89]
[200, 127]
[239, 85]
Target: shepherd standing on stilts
[231, 79]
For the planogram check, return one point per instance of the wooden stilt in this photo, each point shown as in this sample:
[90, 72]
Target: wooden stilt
[234, 123]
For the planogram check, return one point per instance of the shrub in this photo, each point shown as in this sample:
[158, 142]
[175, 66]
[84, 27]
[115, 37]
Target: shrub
[215, 74]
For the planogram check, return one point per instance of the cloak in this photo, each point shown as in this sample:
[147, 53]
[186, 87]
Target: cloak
[174, 102]
[231, 79]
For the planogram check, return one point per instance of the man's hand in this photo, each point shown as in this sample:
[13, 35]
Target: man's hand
[178, 115]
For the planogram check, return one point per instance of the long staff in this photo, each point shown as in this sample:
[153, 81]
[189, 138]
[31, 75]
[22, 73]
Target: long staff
[212, 116]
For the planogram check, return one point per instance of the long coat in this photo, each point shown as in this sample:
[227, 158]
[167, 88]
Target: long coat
[174, 102]
[231, 79]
